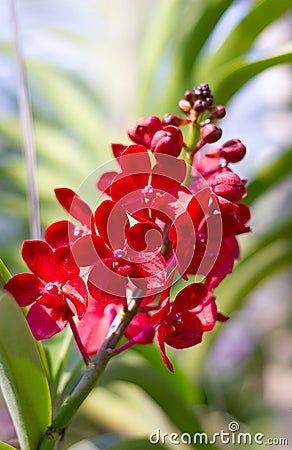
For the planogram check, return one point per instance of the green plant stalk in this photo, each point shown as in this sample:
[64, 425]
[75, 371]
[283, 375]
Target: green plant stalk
[188, 155]
[90, 377]
[4, 274]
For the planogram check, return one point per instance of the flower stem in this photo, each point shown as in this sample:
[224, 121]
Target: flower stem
[91, 375]
[192, 140]
[79, 344]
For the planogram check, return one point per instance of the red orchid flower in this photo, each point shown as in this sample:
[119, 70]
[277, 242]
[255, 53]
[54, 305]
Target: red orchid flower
[96, 322]
[181, 324]
[120, 253]
[64, 232]
[147, 192]
[54, 288]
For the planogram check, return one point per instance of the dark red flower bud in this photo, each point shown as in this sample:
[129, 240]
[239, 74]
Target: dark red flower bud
[173, 119]
[144, 130]
[233, 150]
[200, 106]
[211, 133]
[168, 141]
[189, 96]
[184, 106]
[229, 185]
[218, 112]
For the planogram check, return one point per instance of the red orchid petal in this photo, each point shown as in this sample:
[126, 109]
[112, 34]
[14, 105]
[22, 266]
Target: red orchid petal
[118, 149]
[105, 182]
[25, 288]
[89, 249]
[186, 335]
[189, 297]
[39, 258]
[57, 234]
[161, 314]
[161, 334]
[76, 291]
[149, 274]
[146, 236]
[52, 301]
[74, 205]
[103, 279]
[140, 322]
[112, 223]
[221, 317]
[65, 265]
[135, 160]
[208, 316]
[94, 325]
[171, 204]
[168, 172]
[44, 322]
[103, 298]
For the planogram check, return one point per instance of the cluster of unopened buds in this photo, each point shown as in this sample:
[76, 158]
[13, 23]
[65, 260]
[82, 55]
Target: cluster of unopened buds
[168, 216]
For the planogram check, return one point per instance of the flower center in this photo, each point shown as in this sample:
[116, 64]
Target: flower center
[119, 253]
[52, 288]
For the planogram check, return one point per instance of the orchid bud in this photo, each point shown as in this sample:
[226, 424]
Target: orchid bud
[184, 106]
[173, 119]
[233, 150]
[168, 141]
[144, 130]
[229, 185]
[211, 133]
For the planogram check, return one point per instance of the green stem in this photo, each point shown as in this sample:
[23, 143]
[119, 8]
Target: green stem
[188, 155]
[90, 376]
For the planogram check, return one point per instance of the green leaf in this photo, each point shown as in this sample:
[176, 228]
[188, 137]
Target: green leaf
[271, 174]
[242, 37]
[156, 385]
[4, 446]
[227, 81]
[77, 108]
[22, 376]
[4, 274]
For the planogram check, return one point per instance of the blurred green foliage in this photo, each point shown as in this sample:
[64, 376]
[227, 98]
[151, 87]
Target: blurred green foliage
[127, 59]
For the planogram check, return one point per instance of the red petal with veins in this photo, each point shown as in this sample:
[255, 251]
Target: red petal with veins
[39, 258]
[25, 288]
[74, 205]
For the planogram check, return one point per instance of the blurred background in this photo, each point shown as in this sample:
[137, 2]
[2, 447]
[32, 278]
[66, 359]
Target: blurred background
[93, 68]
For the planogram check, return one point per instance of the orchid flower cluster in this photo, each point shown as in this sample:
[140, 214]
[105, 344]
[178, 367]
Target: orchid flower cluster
[166, 221]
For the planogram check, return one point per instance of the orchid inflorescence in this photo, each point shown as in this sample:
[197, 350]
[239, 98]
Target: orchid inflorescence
[168, 217]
